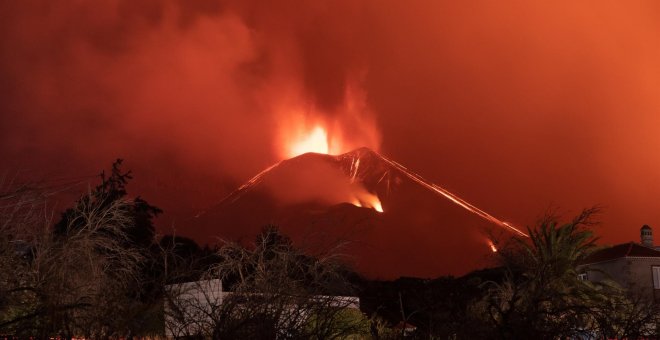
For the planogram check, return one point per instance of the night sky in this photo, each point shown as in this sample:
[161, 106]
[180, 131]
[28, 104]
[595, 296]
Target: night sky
[516, 106]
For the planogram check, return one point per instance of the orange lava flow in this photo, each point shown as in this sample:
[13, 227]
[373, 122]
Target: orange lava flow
[492, 246]
[441, 191]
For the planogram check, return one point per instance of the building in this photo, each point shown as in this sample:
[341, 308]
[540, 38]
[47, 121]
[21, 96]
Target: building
[635, 266]
[195, 308]
[191, 308]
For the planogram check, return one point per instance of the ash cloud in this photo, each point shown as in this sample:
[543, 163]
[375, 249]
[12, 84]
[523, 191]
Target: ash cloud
[191, 79]
[513, 105]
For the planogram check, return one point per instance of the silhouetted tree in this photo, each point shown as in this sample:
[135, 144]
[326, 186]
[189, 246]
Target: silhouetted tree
[89, 274]
[542, 295]
[183, 260]
[70, 284]
[141, 231]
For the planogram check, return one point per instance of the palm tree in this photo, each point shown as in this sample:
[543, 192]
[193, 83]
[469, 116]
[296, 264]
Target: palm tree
[542, 295]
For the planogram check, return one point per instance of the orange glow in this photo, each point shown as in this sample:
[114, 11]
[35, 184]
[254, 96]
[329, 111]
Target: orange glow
[492, 246]
[304, 127]
[315, 140]
[373, 203]
[377, 205]
[367, 200]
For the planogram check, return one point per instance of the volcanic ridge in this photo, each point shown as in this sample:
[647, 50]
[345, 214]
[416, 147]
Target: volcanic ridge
[392, 221]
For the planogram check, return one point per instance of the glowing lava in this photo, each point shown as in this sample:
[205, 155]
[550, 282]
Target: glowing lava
[315, 140]
[302, 135]
[377, 206]
[492, 246]
[367, 200]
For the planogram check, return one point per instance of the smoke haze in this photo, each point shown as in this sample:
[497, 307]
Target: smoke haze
[514, 106]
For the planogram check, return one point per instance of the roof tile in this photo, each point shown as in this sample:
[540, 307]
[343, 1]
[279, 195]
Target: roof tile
[629, 249]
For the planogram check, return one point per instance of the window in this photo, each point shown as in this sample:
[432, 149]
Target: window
[656, 276]
[582, 276]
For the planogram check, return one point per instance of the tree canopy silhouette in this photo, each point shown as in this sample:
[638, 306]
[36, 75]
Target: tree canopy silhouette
[141, 231]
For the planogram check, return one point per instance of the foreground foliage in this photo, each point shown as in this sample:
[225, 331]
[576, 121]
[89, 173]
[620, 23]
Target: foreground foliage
[276, 291]
[101, 272]
[534, 293]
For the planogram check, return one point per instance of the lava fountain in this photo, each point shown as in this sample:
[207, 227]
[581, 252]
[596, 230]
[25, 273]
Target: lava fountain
[315, 140]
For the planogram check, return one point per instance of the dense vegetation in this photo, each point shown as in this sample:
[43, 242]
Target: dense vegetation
[101, 271]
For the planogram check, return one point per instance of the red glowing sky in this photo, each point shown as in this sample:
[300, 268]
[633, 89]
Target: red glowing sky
[516, 106]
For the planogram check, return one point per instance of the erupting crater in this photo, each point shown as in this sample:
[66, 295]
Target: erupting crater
[315, 141]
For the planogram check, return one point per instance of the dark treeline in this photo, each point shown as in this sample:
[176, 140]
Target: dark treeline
[101, 271]
[535, 292]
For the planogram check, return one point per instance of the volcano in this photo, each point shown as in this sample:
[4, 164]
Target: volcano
[390, 220]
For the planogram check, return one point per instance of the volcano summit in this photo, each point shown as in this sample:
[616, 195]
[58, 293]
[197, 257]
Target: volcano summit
[396, 223]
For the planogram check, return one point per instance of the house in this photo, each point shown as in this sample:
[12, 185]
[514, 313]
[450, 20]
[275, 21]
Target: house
[195, 308]
[635, 266]
[191, 307]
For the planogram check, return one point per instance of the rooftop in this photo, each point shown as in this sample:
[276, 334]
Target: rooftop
[630, 249]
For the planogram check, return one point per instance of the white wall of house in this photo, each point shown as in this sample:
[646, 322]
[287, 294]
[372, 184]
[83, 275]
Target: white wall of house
[634, 273]
[193, 307]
